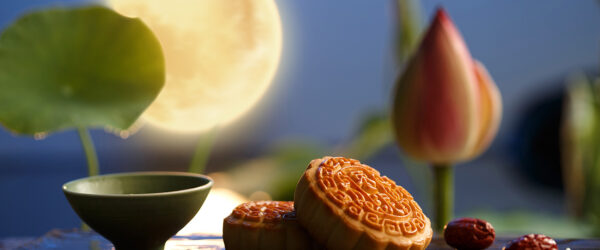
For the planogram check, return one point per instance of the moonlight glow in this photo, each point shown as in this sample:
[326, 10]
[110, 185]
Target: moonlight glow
[221, 57]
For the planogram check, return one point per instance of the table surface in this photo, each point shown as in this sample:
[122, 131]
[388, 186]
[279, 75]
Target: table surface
[76, 239]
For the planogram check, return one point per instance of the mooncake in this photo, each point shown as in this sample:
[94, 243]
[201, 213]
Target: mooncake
[344, 204]
[265, 225]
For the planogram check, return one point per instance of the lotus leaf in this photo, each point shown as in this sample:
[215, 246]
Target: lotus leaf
[77, 67]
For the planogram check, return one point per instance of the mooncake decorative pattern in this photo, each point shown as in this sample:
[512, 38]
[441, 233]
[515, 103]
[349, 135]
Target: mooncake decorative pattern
[366, 196]
[372, 206]
[269, 212]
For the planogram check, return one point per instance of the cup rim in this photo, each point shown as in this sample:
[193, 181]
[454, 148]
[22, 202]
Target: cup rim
[208, 185]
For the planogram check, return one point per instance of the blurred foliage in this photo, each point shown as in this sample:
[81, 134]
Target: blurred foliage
[202, 151]
[581, 148]
[77, 67]
[374, 132]
[525, 222]
[277, 172]
[408, 29]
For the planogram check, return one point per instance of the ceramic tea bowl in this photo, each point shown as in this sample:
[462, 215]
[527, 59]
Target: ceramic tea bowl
[140, 210]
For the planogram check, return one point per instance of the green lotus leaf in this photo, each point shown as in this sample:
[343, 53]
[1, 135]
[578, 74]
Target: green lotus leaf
[77, 67]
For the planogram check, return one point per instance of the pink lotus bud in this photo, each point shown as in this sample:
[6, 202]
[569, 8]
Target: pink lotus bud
[446, 106]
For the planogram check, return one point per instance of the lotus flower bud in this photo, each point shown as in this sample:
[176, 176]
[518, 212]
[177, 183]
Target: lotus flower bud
[446, 107]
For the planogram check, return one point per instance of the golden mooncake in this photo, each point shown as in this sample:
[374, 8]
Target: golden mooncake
[344, 204]
[265, 225]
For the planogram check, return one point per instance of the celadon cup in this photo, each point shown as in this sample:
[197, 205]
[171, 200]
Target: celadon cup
[139, 210]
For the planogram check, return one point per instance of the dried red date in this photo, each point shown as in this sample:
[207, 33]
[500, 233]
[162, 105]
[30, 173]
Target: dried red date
[469, 233]
[532, 241]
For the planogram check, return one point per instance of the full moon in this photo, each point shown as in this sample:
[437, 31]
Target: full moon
[221, 57]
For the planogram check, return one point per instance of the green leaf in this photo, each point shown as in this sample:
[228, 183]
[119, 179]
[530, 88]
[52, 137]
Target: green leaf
[277, 172]
[408, 29]
[76, 67]
[374, 133]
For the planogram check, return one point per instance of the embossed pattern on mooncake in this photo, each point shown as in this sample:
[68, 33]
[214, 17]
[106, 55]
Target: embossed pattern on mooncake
[345, 204]
[264, 212]
[366, 196]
